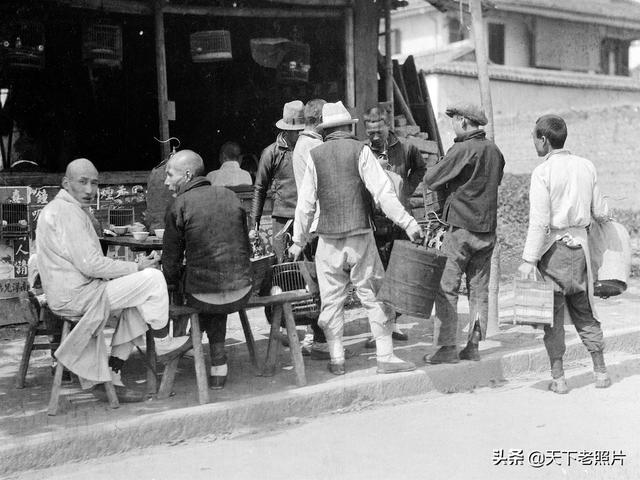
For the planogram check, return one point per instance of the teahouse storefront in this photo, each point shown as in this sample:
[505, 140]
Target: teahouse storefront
[106, 79]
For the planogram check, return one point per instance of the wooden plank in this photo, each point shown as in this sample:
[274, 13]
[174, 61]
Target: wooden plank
[284, 297]
[366, 44]
[161, 78]
[198, 360]
[315, 3]
[248, 336]
[270, 363]
[388, 62]
[134, 7]
[350, 74]
[294, 345]
[125, 177]
[404, 108]
[432, 126]
[410, 76]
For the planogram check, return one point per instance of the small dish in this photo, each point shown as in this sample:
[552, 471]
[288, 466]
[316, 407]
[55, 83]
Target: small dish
[140, 235]
[159, 233]
[120, 230]
[136, 227]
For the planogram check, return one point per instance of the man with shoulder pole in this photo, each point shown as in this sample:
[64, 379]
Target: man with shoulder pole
[564, 196]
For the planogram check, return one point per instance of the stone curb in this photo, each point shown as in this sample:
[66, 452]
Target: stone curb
[86, 442]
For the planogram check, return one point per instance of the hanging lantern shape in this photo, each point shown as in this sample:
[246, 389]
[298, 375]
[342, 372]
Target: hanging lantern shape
[295, 64]
[102, 45]
[211, 46]
[23, 44]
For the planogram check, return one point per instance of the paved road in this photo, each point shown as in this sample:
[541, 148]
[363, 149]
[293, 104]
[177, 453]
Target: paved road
[456, 436]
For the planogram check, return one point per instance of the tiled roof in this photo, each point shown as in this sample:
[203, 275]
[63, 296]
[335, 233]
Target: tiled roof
[536, 76]
[624, 10]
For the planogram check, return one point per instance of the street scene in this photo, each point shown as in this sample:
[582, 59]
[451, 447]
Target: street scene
[319, 239]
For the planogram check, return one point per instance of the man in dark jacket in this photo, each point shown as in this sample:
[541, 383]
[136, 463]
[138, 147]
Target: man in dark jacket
[206, 227]
[405, 167]
[469, 174]
[275, 171]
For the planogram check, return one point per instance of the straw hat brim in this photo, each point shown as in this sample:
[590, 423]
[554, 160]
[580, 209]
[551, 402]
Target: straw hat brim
[337, 123]
[282, 125]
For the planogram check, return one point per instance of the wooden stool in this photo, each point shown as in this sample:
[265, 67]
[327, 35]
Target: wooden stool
[282, 307]
[57, 377]
[168, 378]
[36, 308]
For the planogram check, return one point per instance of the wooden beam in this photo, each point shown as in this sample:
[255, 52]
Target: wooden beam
[316, 3]
[366, 20]
[388, 61]
[137, 7]
[252, 12]
[161, 75]
[349, 55]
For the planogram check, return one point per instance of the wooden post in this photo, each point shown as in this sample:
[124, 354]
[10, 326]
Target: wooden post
[387, 57]
[482, 61]
[349, 55]
[475, 7]
[161, 73]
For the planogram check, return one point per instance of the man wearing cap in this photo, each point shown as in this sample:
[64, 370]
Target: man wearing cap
[469, 174]
[404, 164]
[275, 171]
[341, 176]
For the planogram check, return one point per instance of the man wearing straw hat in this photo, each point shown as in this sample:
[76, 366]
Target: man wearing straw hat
[275, 171]
[341, 177]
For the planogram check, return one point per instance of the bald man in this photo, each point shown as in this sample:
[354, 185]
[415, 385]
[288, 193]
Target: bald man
[80, 282]
[206, 226]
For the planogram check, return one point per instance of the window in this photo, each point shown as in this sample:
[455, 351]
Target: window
[614, 56]
[496, 43]
[396, 41]
[457, 31]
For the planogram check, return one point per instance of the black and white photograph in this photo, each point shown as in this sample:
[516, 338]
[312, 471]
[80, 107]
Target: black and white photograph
[319, 239]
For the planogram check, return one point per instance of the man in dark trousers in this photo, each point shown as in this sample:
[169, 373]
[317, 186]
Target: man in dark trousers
[206, 247]
[275, 172]
[564, 197]
[469, 174]
[405, 167]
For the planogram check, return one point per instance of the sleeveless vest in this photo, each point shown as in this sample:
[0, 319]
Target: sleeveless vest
[344, 201]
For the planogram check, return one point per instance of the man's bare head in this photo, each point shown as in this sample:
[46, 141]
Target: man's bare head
[182, 167]
[81, 181]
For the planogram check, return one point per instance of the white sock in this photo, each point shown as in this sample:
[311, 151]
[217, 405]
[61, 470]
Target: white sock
[116, 379]
[219, 370]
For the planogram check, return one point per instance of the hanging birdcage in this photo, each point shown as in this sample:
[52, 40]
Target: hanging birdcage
[120, 217]
[15, 220]
[211, 46]
[290, 276]
[102, 45]
[23, 45]
[294, 66]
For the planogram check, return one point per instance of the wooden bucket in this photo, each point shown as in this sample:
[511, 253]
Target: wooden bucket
[412, 278]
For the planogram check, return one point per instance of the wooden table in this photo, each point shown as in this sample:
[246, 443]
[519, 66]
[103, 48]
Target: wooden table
[150, 243]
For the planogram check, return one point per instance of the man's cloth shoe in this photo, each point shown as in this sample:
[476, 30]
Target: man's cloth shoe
[400, 336]
[395, 367]
[336, 368]
[443, 355]
[124, 394]
[559, 385]
[325, 355]
[470, 352]
[170, 347]
[602, 380]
